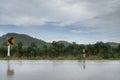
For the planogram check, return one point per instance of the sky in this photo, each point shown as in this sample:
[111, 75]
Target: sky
[80, 21]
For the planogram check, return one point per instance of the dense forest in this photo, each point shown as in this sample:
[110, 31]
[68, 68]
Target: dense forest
[56, 50]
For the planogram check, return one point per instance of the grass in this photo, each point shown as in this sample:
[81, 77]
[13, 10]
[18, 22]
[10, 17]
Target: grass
[57, 58]
[94, 58]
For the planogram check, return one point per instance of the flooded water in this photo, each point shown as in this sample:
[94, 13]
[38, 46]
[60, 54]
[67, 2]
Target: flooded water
[59, 70]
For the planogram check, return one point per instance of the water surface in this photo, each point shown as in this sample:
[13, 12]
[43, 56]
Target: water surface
[59, 70]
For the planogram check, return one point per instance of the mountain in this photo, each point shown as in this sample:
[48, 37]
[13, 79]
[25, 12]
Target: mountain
[64, 42]
[25, 39]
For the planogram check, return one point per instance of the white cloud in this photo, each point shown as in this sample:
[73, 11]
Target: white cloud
[94, 15]
[87, 31]
[58, 10]
[66, 12]
[29, 21]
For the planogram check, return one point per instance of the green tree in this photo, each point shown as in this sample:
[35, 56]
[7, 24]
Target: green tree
[3, 51]
[19, 49]
[32, 49]
[90, 49]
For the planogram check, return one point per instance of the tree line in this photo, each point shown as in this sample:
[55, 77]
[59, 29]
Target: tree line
[56, 49]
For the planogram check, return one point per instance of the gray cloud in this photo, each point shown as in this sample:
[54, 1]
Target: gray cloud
[94, 15]
[15, 11]
[64, 11]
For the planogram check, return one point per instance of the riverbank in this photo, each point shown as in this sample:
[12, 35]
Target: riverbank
[57, 58]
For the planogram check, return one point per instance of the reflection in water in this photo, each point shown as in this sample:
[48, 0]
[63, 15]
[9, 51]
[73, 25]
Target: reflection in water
[10, 72]
[84, 65]
[60, 70]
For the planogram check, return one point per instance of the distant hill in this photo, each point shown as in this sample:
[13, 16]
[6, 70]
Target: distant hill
[64, 42]
[25, 39]
[114, 44]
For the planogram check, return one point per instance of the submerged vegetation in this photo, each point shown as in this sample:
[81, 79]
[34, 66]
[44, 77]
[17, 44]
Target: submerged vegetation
[57, 50]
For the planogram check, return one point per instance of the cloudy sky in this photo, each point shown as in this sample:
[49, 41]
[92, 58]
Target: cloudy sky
[82, 21]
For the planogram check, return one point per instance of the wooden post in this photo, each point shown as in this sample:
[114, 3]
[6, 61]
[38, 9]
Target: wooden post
[8, 53]
[84, 54]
